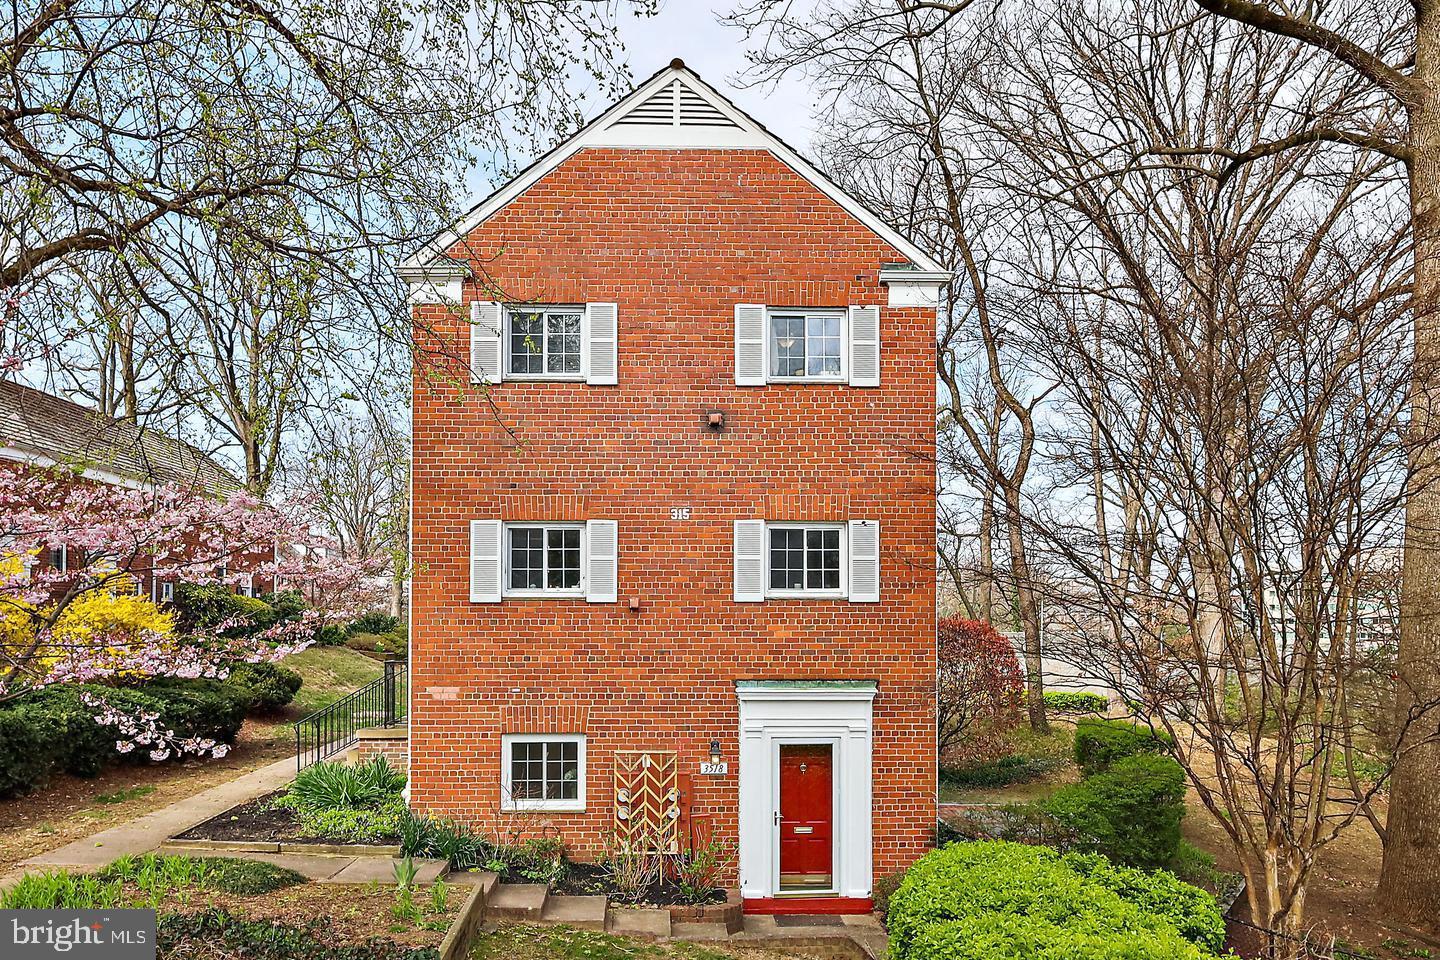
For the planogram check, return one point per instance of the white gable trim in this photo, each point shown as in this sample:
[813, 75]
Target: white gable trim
[607, 132]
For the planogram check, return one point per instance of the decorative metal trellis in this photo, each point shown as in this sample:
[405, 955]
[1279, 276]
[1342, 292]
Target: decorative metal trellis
[647, 800]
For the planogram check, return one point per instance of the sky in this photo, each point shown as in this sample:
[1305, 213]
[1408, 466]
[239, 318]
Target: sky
[690, 30]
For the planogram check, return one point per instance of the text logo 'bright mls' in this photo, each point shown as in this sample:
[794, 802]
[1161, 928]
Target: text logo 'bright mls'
[79, 934]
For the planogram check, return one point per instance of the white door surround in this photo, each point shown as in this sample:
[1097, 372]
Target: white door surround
[838, 712]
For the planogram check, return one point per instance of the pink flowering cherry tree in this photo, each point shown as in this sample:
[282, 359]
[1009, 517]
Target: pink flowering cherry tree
[172, 533]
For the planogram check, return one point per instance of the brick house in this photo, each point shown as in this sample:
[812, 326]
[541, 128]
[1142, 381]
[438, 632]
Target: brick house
[674, 551]
[41, 430]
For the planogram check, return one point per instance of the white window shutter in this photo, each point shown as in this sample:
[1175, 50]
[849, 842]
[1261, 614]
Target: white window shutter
[486, 552]
[864, 346]
[602, 332]
[602, 552]
[749, 561]
[485, 352]
[749, 345]
[864, 547]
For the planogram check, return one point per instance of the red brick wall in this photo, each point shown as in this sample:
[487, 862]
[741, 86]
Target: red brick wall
[676, 238]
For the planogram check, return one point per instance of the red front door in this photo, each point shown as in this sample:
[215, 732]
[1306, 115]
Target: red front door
[806, 816]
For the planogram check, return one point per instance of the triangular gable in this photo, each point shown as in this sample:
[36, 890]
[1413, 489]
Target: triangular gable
[674, 109]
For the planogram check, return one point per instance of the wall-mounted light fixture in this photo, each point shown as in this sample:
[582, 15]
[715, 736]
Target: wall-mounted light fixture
[715, 420]
[714, 751]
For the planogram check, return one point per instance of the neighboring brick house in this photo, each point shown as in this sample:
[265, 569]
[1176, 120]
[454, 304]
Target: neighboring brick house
[38, 429]
[674, 559]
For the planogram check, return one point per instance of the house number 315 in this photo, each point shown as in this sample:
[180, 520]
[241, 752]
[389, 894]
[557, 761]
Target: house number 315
[679, 513]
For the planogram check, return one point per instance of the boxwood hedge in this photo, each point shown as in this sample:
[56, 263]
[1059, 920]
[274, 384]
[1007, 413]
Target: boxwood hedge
[1099, 743]
[992, 900]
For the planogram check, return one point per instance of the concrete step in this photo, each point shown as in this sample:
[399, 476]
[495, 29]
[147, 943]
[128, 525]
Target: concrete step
[699, 931]
[646, 922]
[585, 912]
[516, 901]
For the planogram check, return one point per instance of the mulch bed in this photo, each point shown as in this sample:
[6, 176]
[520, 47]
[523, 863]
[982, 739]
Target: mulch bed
[262, 822]
[589, 879]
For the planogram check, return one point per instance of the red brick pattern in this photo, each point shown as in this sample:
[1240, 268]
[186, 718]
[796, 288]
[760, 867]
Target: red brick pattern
[675, 238]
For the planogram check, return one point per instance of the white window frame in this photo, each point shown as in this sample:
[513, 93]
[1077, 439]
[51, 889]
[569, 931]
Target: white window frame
[776, 593]
[772, 348]
[569, 593]
[245, 585]
[507, 313]
[60, 558]
[161, 591]
[509, 804]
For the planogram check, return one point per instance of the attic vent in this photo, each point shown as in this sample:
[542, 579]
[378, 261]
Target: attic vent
[696, 111]
[675, 105]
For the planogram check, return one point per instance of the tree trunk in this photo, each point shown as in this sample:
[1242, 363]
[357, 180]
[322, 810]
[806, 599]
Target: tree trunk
[1029, 611]
[1410, 874]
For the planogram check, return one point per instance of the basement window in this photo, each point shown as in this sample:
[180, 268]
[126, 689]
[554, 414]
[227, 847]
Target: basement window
[543, 772]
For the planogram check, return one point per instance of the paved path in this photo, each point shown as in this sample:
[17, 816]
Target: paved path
[144, 834]
[153, 830]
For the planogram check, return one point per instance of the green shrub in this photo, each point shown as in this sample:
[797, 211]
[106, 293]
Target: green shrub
[27, 742]
[212, 709]
[374, 824]
[271, 686]
[336, 786]
[1131, 813]
[1076, 702]
[885, 887]
[1099, 743]
[376, 642]
[330, 635]
[997, 901]
[376, 621]
[1008, 770]
[424, 836]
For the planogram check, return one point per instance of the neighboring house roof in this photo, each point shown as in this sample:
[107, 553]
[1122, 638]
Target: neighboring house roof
[38, 427]
[673, 109]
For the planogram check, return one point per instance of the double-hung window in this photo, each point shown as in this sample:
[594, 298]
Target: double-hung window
[807, 344]
[543, 772]
[544, 559]
[544, 342]
[805, 559]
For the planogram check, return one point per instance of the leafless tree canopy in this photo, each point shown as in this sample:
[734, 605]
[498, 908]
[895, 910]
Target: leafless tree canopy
[1178, 383]
[202, 203]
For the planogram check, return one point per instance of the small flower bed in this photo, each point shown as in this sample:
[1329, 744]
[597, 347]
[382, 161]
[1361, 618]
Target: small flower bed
[625, 874]
[327, 803]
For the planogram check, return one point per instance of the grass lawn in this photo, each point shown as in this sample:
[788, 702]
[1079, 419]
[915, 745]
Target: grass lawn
[329, 673]
[528, 942]
[1047, 765]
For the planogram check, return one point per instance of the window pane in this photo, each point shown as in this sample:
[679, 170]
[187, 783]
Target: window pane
[527, 331]
[823, 346]
[563, 343]
[527, 771]
[787, 559]
[563, 556]
[527, 559]
[787, 346]
[822, 559]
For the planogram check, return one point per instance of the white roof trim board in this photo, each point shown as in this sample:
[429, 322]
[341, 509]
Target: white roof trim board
[672, 110]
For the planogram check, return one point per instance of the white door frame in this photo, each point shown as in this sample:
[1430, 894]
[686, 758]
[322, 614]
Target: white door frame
[775, 712]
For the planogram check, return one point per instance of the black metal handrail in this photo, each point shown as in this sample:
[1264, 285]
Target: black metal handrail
[380, 703]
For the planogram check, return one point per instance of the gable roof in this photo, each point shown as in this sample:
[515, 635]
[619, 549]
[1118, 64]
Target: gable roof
[673, 109]
[42, 428]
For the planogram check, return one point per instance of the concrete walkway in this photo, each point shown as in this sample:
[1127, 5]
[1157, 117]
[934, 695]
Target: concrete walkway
[144, 834]
[154, 830]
